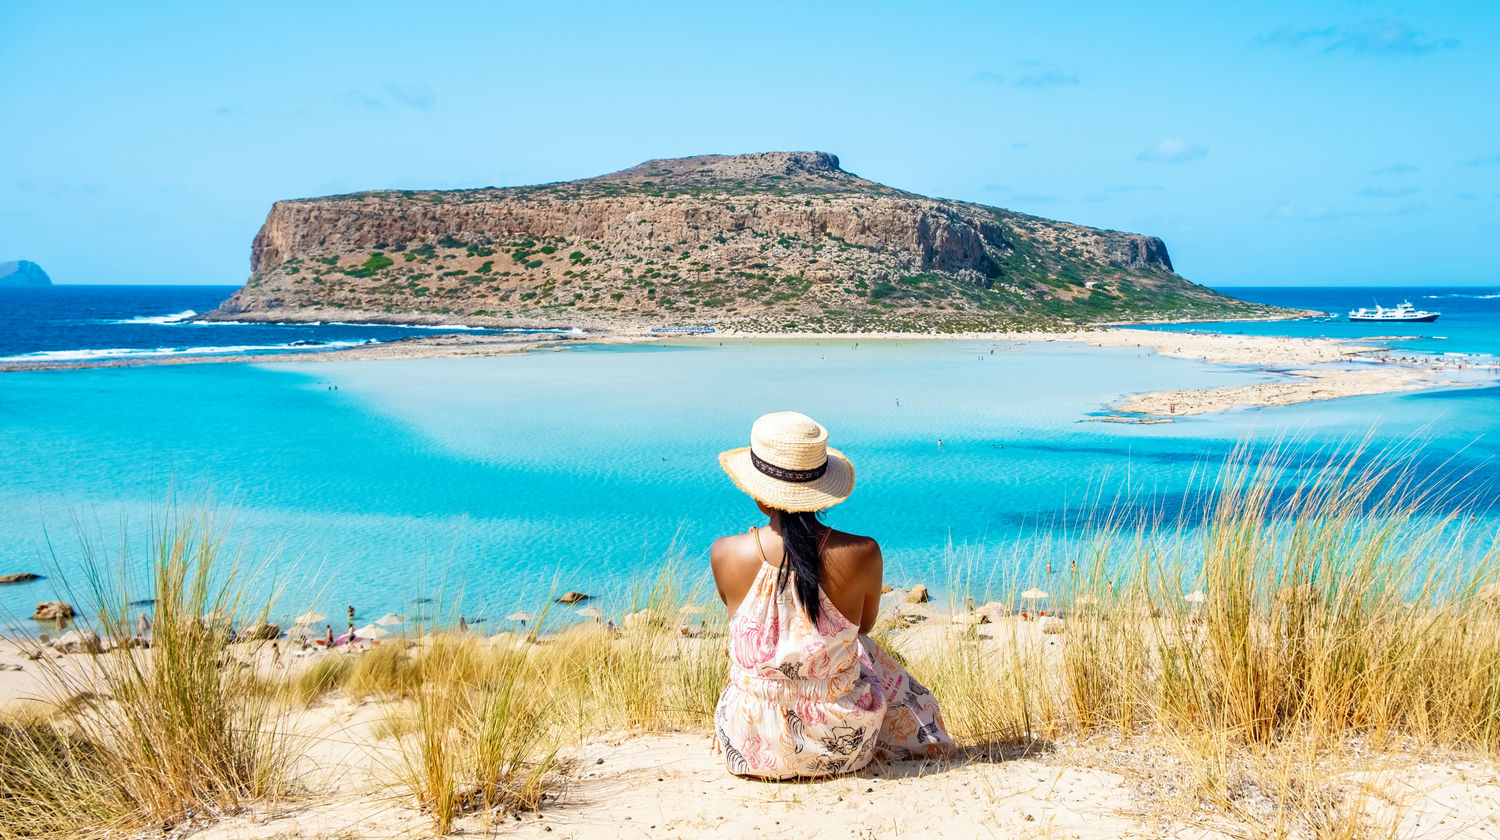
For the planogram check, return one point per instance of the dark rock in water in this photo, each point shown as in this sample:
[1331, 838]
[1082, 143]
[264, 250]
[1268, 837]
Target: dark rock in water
[52, 610]
[307, 342]
[144, 602]
[572, 598]
[19, 577]
[23, 273]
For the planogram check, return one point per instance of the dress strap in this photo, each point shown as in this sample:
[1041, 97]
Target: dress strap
[756, 532]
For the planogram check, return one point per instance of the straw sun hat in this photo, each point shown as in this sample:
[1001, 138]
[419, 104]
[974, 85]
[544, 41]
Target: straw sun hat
[789, 465]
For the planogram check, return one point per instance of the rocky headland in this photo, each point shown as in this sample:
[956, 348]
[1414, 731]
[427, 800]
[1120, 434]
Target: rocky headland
[23, 273]
[775, 242]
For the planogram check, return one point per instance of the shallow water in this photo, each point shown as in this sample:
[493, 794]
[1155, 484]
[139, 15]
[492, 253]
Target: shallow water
[371, 483]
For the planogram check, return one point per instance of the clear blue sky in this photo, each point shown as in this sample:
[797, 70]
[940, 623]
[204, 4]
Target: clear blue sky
[1275, 143]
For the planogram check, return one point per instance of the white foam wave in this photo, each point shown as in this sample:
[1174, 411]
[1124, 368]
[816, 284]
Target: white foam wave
[175, 318]
[443, 327]
[1465, 297]
[156, 352]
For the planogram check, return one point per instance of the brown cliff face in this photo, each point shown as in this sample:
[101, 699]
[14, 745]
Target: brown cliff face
[775, 241]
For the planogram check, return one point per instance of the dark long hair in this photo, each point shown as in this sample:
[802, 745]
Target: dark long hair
[801, 535]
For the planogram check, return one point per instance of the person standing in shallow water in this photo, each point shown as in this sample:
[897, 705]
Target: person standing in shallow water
[810, 693]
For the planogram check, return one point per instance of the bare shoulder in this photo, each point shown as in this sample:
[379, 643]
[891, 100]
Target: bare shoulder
[857, 550]
[852, 542]
[730, 551]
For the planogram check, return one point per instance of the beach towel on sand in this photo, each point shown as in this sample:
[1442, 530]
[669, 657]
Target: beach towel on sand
[815, 700]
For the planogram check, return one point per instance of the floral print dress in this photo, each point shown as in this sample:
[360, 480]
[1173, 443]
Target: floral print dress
[809, 699]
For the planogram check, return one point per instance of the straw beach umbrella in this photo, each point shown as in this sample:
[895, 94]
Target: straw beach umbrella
[591, 612]
[390, 620]
[1196, 598]
[372, 631]
[522, 617]
[691, 609]
[309, 618]
[1033, 595]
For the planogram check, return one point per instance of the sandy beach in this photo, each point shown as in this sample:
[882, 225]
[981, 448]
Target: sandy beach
[638, 787]
[1311, 368]
[624, 783]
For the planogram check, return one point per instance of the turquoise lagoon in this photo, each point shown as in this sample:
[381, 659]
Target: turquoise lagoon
[502, 479]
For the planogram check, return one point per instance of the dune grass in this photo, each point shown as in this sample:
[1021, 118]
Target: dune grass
[1341, 612]
[53, 781]
[478, 735]
[479, 721]
[1335, 605]
[1340, 608]
[152, 736]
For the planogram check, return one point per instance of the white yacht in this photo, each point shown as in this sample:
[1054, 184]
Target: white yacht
[1405, 313]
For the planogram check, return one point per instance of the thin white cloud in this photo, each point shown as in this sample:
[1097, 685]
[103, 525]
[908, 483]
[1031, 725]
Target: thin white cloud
[1034, 74]
[1172, 150]
[1047, 78]
[1387, 192]
[1374, 38]
[1321, 212]
[411, 95]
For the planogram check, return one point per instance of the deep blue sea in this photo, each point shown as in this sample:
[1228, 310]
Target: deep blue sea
[376, 482]
[73, 323]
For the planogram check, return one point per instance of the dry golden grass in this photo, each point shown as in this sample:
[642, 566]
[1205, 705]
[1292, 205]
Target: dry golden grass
[149, 736]
[1337, 615]
[488, 718]
[1338, 609]
[478, 733]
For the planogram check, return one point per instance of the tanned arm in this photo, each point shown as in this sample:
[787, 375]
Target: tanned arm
[873, 568]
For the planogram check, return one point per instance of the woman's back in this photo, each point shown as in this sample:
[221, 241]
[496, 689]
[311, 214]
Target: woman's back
[851, 570]
[809, 693]
[801, 699]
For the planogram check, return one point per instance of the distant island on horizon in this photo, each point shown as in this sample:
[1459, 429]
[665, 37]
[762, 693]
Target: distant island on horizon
[772, 242]
[23, 273]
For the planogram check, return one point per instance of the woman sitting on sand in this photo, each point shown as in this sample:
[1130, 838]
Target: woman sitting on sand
[809, 693]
